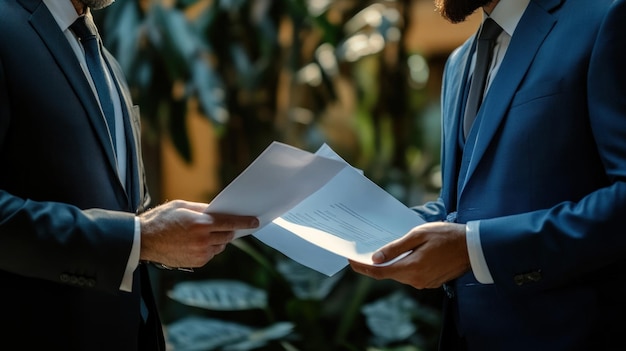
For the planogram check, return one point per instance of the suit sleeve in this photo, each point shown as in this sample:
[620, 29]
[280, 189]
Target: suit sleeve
[584, 240]
[431, 211]
[59, 242]
[436, 210]
[56, 241]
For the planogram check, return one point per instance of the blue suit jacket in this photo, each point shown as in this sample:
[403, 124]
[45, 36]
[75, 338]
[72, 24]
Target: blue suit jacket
[545, 173]
[66, 221]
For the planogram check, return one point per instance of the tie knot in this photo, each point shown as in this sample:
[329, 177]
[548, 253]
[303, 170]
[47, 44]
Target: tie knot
[84, 28]
[490, 30]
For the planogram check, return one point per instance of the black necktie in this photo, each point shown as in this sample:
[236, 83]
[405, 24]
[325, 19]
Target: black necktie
[484, 50]
[87, 34]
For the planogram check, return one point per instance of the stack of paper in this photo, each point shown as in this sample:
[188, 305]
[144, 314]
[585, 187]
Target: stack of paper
[315, 208]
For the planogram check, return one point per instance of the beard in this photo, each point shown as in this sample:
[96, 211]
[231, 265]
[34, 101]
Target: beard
[96, 4]
[457, 11]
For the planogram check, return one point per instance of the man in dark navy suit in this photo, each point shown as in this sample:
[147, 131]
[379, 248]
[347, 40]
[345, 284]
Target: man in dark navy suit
[75, 233]
[527, 237]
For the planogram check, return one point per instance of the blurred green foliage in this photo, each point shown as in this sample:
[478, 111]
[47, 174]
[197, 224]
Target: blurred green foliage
[301, 72]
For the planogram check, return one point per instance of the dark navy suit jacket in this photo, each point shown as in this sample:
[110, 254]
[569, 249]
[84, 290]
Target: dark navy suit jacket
[66, 221]
[545, 173]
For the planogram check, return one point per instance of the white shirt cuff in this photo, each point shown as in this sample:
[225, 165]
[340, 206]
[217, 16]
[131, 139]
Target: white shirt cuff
[133, 259]
[476, 256]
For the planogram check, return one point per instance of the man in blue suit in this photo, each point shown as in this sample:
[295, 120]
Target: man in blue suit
[527, 237]
[75, 234]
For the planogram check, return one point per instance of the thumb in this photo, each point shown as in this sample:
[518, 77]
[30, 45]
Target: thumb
[388, 252]
[396, 248]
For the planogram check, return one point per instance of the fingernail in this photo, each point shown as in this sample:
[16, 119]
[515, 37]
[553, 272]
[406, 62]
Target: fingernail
[378, 257]
[254, 222]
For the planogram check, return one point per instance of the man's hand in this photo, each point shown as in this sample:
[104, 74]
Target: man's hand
[439, 255]
[180, 234]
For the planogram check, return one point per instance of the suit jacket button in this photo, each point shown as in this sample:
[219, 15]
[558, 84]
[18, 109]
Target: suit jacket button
[449, 290]
[534, 276]
[524, 278]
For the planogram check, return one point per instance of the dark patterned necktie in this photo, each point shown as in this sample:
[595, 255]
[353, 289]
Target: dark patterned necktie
[484, 50]
[87, 34]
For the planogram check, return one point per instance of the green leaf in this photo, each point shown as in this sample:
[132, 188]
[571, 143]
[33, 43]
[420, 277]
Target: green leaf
[220, 295]
[233, 6]
[177, 129]
[210, 90]
[203, 334]
[261, 337]
[399, 348]
[246, 74]
[176, 40]
[390, 318]
[122, 31]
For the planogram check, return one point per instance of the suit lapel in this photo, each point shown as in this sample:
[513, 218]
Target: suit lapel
[132, 131]
[454, 92]
[132, 135]
[48, 30]
[531, 31]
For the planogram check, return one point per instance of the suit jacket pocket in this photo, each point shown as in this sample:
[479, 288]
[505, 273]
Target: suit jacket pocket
[136, 116]
[537, 91]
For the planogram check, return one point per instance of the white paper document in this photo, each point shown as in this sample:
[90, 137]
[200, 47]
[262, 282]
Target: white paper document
[315, 208]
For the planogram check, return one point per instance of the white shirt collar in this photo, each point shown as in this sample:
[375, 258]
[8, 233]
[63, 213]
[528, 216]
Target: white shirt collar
[508, 13]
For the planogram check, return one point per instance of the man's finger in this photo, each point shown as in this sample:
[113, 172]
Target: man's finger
[227, 222]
